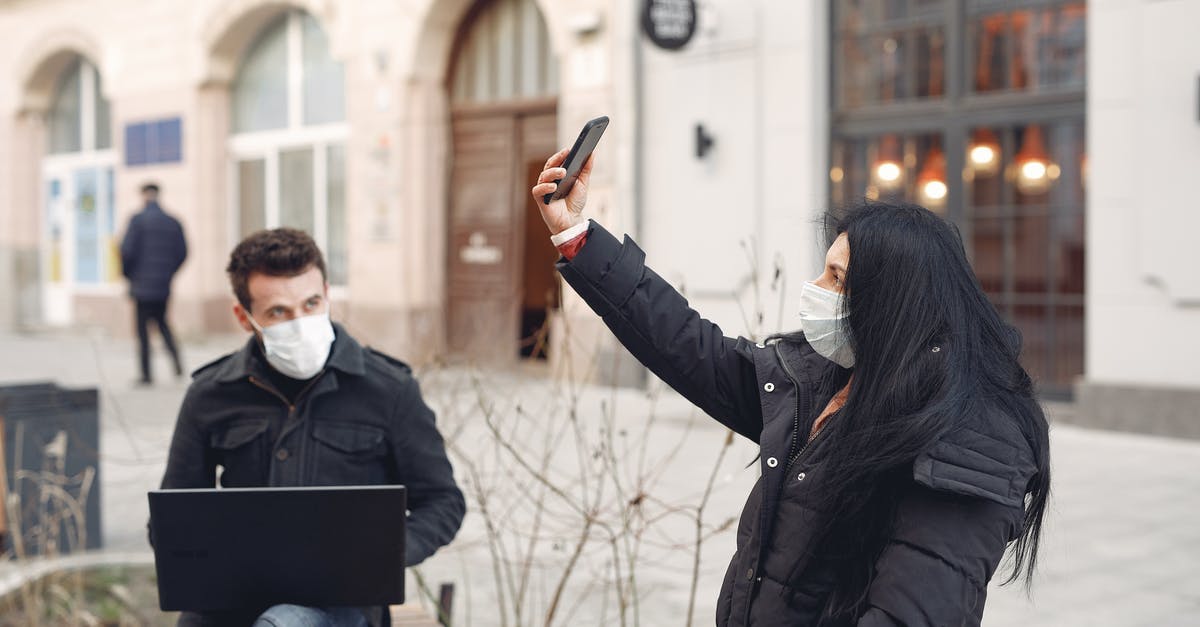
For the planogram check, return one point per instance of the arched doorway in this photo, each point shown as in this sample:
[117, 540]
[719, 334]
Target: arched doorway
[503, 86]
[287, 137]
[78, 251]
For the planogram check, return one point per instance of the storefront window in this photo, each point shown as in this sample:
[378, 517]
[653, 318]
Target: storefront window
[887, 52]
[1029, 49]
[1000, 151]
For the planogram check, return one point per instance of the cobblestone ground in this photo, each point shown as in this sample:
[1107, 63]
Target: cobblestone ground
[1122, 542]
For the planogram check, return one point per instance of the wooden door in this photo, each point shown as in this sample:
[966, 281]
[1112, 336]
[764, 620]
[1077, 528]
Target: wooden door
[489, 206]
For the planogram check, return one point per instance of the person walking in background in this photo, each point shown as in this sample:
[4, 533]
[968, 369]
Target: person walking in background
[151, 253]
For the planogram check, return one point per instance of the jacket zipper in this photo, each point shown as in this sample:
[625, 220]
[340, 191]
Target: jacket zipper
[290, 406]
[792, 452]
[274, 393]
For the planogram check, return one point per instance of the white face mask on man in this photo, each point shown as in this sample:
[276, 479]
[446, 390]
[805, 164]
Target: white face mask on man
[299, 347]
[823, 323]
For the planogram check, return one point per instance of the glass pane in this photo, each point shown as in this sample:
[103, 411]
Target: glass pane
[108, 226]
[888, 51]
[506, 55]
[1025, 195]
[87, 227]
[260, 95]
[335, 248]
[324, 84]
[252, 215]
[991, 36]
[1067, 347]
[103, 117]
[988, 250]
[53, 221]
[892, 166]
[1031, 238]
[64, 122]
[1032, 320]
[296, 189]
[1030, 50]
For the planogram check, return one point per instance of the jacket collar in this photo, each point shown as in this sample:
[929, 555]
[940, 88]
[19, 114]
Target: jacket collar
[347, 356]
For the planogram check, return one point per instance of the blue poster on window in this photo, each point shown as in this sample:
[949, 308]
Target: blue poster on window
[156, 141]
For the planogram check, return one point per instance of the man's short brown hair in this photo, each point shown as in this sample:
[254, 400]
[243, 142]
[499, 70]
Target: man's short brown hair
[282, 252]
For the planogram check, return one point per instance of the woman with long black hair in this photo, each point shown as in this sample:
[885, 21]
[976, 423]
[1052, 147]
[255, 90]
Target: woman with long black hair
[902, 447]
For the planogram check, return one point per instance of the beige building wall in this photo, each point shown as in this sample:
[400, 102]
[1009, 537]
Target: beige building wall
[1143, 281]
[166, 59]
[756, 79]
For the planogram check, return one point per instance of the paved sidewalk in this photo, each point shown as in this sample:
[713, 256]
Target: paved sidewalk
[1122, 543]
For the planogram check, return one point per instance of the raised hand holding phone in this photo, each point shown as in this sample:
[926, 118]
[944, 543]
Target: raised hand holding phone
[561, 188]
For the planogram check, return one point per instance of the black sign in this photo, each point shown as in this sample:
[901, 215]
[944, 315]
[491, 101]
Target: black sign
[670, 24]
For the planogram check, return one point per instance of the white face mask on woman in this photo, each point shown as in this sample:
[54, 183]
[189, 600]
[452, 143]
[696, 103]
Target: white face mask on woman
[299, 347]
[823, 324]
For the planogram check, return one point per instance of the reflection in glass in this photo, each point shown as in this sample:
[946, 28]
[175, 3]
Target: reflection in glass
[65, 117]
[260, 95]
[296, 189]
[1030, 50]
[324, 95]
[1034, 173]
[931, 182]
[888, 51]
[983, 154]
[251, 177]
[103, 121]
[1027, 243]
[336, 251]
[888, 170]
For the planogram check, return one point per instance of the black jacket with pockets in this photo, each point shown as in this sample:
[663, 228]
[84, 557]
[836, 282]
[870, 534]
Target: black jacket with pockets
[361, 421]
[964, 504]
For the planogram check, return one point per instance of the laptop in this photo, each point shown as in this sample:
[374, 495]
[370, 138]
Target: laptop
[238, 548]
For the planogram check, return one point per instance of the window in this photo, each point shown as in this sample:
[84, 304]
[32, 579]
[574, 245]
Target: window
[79, 114]
[989, 133]
[1037, 48]
[507, 56]
[78, 244]
[287, 148]
[889, 52]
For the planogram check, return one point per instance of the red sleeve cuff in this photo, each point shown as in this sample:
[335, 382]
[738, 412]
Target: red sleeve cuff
[570, 248]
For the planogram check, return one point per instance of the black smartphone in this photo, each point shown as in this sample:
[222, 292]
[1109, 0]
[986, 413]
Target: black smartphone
[584, 145]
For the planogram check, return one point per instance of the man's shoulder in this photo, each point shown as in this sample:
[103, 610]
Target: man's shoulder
[382, 364]
[211, 371]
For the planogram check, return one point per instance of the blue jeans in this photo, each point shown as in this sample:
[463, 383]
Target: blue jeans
[300, 616]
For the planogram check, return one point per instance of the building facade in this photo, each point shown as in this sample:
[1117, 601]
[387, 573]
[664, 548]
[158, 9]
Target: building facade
[404, 135]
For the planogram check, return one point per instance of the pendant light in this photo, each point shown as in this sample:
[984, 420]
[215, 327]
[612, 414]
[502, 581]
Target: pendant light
[1033, 163]
[931, 182]
[888, 171]
[983, 154]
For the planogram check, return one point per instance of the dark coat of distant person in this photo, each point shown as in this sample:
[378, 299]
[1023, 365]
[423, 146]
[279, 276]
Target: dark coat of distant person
[153, 250]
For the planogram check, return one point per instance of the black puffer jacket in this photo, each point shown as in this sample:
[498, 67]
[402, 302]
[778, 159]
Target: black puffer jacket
[962, 507]
[151, 253]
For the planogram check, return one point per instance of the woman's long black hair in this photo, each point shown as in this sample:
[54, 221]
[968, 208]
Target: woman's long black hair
[909, 288]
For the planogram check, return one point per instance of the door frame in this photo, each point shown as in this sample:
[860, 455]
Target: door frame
[57, 297]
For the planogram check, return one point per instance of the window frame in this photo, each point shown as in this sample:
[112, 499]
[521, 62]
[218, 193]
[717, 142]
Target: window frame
[269, 144]
[953, 116]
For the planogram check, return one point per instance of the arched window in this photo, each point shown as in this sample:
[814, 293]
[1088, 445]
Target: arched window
[505, 56]
[78, 117]
[78, 249]
[288, 141]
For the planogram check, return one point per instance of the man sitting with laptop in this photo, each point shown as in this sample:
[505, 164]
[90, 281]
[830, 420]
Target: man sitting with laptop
[304, 404]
